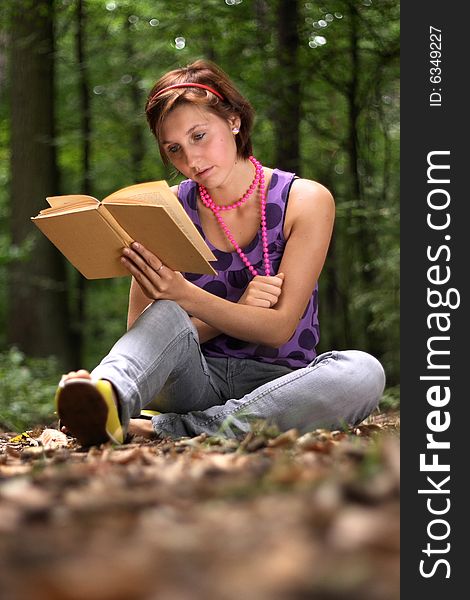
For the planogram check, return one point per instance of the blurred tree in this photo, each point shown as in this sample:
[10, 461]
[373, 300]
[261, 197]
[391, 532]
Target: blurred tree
[288, 98]
[79, 284]
[137, 145]
[38, 300]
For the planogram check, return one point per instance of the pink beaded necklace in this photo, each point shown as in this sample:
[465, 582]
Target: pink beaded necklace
[216, 209]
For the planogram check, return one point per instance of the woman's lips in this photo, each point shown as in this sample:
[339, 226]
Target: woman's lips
[204, 173]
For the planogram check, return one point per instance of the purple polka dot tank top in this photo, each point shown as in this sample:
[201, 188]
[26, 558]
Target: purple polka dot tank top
[233, 277]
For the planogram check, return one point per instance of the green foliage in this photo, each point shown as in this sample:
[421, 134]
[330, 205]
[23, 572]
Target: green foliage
[27, 388]
[390, 399]
[106, 309]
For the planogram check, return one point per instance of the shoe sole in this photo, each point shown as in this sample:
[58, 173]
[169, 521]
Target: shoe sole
[83, 411]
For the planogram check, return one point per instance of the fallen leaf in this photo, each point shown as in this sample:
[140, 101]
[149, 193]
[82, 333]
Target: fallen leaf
[288, 438]
[52, 439]
[24, 439]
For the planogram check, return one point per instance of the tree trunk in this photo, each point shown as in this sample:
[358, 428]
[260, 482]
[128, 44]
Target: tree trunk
[353, 111]
[79, 315]
[38, 307]
[137, 144]
[287, 124]
[364, 234]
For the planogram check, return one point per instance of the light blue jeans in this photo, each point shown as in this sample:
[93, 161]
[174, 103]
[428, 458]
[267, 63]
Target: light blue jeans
[159, 362]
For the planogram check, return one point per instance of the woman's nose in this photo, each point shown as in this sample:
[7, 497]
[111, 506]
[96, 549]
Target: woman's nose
[192, 158]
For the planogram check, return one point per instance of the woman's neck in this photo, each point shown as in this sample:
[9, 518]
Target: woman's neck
[235, 185]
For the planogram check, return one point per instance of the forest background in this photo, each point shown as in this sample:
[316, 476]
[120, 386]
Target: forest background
[74, 75]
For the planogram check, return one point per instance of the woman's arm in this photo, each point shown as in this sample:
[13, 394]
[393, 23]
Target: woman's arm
[261, 291]
[138, 302]
[205, 332]
[308, 227]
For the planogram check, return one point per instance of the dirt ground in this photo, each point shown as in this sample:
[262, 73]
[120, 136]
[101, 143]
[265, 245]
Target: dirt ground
[270, 517]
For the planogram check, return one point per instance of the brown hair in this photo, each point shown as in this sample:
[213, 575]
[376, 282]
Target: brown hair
[202, 72]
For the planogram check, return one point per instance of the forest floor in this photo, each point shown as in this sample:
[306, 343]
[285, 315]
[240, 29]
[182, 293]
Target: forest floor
[269, 517]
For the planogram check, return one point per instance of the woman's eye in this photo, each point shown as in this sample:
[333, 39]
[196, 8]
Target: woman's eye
[173, 149]
[199, 136]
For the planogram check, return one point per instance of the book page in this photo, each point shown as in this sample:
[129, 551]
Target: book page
[140, 193]
[68, 202]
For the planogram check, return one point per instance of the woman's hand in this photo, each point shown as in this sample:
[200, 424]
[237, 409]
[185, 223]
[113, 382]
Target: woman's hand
[156, 280]
[263, 291]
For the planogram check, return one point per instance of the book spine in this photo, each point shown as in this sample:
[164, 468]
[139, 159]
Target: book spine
[114, 224]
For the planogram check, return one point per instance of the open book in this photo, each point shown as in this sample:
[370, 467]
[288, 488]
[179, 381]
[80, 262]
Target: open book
[91, 234]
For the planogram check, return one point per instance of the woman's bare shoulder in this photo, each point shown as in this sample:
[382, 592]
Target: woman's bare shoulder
[308, 197]
[308, 188]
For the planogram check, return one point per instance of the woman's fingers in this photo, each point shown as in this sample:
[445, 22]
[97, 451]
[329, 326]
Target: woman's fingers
[272, 280]
[263, 291]
[141, 271]
[145, 267]
[257, 297]
[273, 290]
[156, 280]
[143, 259]
[144, 279]
[270, 283]
[148, 256]
[261, 295]
[266, 288]
[263, 302]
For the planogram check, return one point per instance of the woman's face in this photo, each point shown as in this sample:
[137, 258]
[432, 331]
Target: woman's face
[200, 144]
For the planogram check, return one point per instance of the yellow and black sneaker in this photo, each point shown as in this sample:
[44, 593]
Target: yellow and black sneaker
[88, 410]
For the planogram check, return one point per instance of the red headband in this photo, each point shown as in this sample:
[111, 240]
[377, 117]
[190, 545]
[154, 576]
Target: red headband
[180, 85]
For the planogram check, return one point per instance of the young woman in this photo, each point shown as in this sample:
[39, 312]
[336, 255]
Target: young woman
[216, 353]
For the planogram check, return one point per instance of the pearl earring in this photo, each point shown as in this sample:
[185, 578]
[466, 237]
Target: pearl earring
[235, 130]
